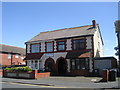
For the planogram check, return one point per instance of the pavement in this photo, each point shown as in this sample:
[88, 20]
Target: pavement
[67, 82]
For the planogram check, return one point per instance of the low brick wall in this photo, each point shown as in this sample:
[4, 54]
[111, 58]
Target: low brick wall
[29, 75]
[1, 72]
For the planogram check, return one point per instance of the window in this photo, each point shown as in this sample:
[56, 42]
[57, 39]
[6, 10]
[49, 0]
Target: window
[79, 64]
[61, 45]
[22, 57]
[16, 56]
[9, 56]
[49, 47]
[35, 48]
[72, 64]
[78, 44]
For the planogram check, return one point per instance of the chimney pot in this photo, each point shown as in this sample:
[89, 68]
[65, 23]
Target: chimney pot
[94, 23]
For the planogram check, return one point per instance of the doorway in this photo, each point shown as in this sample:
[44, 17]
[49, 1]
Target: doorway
[50, 66]
[62, 66]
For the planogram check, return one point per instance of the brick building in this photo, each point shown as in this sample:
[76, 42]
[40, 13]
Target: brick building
[11, 55]
[65, 51]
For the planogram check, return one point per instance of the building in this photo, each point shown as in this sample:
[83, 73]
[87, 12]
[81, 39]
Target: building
[65, 51]
[101, 63]
[11, 55]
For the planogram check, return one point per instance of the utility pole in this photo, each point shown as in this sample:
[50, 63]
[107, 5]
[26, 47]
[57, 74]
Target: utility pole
[117, 28]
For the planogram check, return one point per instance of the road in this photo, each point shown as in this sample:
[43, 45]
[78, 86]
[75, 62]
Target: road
[18, 86]
[58, 82]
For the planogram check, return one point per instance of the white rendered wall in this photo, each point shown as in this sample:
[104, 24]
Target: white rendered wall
[54, 56]
[42, 46]
[69, 44]
[28, 48]
[98, 48]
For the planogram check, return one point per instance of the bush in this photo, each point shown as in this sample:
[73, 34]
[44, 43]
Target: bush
[21, 69]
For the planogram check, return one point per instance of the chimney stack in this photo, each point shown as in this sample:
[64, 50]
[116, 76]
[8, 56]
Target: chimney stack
[94, 23]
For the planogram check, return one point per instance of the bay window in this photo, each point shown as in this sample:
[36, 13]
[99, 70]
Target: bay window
[77, 64]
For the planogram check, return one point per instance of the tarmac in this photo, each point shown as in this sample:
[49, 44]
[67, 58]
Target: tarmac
[68, 82]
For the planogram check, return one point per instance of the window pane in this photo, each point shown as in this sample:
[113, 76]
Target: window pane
[36, 63]
[9, 56]
[77, 64]
[83, 63]
[35, 48]
[49, 47]
[61, 42]
[16, 56]
[78, 44]
[72, 64]
[61, 46]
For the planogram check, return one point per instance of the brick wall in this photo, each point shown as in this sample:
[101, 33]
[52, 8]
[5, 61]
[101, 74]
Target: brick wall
[31, 75]
[7, 61]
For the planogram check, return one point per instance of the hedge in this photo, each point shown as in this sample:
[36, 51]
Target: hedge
[23, 69]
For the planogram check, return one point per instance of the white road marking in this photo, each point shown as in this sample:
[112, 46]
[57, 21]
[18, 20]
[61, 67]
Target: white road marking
[93, 80]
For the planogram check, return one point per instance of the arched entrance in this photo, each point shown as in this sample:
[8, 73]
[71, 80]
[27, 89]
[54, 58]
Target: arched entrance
[50, 66]
[62, 66]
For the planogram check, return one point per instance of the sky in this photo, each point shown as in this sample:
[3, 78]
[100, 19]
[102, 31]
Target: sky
[21, 21]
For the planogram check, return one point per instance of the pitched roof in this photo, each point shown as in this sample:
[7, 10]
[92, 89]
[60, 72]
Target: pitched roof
[12, 49]
[65, 33]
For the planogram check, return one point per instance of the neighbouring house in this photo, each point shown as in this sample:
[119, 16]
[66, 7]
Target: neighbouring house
[65, 51]
[11, 55]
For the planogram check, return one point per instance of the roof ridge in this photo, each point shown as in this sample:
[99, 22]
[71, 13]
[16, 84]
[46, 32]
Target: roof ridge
[65, 29]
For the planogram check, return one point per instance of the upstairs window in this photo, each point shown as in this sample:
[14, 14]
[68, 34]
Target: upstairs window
[35, 48]
[9, 56]
[78, 44]
[61, 45]
[16, 56]
[49, 47]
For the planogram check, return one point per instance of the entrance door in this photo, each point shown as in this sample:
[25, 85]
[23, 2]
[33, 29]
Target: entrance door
[62, 67]
[50, 66]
